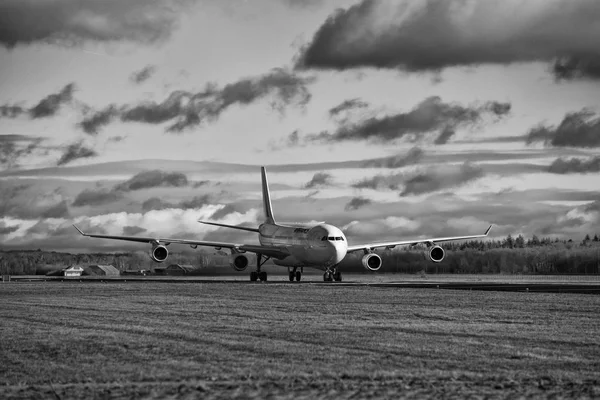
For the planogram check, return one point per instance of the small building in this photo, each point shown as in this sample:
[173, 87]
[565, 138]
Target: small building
[101, 270]
[179, 269]
[74, 270]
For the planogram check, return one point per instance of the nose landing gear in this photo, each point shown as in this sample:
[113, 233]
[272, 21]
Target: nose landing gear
[332, 275]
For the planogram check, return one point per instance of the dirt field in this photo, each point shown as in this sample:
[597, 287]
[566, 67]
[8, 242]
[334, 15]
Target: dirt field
[242, 340]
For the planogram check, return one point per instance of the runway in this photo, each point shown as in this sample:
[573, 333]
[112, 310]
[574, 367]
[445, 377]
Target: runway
[587, 285]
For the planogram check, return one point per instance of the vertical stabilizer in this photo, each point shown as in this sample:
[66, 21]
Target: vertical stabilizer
[266, 197]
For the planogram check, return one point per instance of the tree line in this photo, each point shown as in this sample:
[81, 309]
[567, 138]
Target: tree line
[510, 255]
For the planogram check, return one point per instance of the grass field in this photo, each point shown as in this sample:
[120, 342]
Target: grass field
[241, 340]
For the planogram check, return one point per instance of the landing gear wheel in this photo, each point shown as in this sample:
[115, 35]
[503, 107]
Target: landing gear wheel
[291, 276]
[298, 276]
[327, 276]
[337, 276]
[253, 276]
[262, 275]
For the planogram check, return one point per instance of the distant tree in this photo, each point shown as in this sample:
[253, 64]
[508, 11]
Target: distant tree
[596, 239]
[520, 241]
[587, 238]
[509, 241]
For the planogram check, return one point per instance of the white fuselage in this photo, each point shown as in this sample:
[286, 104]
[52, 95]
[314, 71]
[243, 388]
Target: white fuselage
[321, 246]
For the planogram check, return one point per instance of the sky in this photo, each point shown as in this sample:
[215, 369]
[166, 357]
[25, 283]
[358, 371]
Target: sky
[391, 119]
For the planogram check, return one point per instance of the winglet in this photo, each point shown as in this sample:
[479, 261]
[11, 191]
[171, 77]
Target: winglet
[80, 231]
[488, 230]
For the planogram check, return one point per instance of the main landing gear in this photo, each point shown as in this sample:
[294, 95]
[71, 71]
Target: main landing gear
[295, 274]
[258, 274]
[332, 275]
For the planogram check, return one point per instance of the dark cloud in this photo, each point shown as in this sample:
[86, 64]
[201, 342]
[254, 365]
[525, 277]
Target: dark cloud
[74, 21]
[11, 111]
[154, 203]
[154, 178]
[347, 105]
[74, 152]
[435, 34]
[142, 75]
[575, 165]
[133, 230]
[578, 129]
[445, 135]
[319, 179]
[413, 156]
[98, 119]
[357, 202]
[13, 148]
[5, 229]
[431, 115]
[96, 197]
[60, 210]
[51, 104]
[441, 178]
[223, 212]
[380, 182]
[574, 67]
[184, 109]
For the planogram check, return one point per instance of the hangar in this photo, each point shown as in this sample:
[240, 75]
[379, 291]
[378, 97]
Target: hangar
[101, 270]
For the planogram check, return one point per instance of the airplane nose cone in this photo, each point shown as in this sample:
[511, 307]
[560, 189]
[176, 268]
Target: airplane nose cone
[340, 253]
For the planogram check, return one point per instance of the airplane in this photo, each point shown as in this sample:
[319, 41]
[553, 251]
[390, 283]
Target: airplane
[322, 246]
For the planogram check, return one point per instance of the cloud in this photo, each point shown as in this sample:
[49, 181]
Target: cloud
[13, 148]
[445, 135]
[60, 210]
[441, 178]
[74, 21]
[357, 202]
[154, 178]
[577, 129]
[92, 123]
[154, 203]
[11, 111]
[142, 75]
[74, 152]
[575, 165]
[132, 230]
[413, 156]
[46, 107]
[184, 109]
[435, 34]
[379, 182]
[51, 104]
[431, 115]
[6, 229]
[93, 197]
[319, 179]
[347, 105]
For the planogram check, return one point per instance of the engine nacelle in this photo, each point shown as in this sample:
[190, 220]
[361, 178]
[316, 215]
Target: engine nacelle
[159, 253]
[239, 262]
[436, 254]
[371, 261]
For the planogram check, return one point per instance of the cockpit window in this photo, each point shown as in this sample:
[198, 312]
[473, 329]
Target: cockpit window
[331, 238]
[324, 238]
[338, 238]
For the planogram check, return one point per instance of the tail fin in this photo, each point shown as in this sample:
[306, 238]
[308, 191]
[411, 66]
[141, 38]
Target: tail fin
[266, 197]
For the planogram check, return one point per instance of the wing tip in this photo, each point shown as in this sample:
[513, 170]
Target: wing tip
[79, 230]
[488, 230]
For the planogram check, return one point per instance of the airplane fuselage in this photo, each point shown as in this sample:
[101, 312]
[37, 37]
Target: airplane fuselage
[321, 246]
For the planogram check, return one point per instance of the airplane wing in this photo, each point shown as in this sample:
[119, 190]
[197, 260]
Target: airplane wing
[371, 246]
[270, 251]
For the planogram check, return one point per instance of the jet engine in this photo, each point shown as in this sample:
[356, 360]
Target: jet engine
[239, 262]
[371, 261]
[159, 253]
[436, 254]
